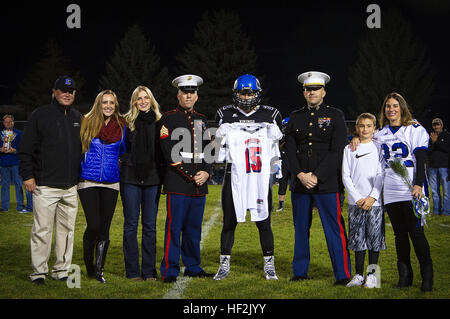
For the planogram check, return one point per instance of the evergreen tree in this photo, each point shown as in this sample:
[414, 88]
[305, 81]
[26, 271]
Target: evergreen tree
[391, 59]
[219, 53]
[134, 62]
[36, 88]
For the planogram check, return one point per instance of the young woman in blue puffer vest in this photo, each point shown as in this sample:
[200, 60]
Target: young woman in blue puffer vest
[103, 142]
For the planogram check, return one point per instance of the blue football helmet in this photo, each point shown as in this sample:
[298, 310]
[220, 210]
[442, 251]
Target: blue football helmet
[243, 85]
[284, 124]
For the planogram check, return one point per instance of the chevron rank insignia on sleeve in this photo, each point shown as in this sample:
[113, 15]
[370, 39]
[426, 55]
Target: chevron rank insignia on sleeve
[164, 132]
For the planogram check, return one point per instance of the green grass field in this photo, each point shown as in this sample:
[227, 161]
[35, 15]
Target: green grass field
[246, 279]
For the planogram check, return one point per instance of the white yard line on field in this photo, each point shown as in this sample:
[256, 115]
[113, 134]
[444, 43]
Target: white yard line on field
[176, 292]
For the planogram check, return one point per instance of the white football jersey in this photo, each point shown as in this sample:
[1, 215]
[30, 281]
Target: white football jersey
[252, 148]
[400, 144]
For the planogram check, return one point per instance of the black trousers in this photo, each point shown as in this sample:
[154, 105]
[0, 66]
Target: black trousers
[286, 179]
[406, 226]
[99, 204]
[230, 222]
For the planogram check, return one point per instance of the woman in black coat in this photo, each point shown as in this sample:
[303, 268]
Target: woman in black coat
[140, 184]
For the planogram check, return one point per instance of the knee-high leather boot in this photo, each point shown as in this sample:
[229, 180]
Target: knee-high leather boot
[427, 277]
[405, 274]
[88, 256]
[102, 248]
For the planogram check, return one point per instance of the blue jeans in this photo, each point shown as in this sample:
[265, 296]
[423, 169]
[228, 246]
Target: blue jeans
[11, 174]
[139, 200]
[438, 177]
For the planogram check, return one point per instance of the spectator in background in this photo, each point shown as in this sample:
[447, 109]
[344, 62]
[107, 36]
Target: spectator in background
[9, 166]
[438, 158]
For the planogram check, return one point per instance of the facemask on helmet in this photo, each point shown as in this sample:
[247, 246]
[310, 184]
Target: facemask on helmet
[246, 85]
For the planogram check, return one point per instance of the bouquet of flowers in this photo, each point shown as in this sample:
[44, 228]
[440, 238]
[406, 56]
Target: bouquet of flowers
[421, 207]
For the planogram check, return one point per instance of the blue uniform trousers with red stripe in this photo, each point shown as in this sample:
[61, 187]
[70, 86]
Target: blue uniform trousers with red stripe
[184, 219]
[333, 226]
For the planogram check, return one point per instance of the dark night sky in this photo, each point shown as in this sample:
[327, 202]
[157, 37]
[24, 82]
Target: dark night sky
[316, 35]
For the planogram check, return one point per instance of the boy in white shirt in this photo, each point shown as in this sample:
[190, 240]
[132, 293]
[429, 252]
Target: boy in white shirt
[363, 179]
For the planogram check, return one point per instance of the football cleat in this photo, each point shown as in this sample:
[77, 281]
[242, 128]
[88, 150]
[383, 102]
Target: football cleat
[224, 268]
[269, 268]
[280, 207]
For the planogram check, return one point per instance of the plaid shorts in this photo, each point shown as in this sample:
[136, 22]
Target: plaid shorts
[366, 228]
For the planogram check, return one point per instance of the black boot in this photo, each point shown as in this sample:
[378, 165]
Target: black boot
[102, 248]
[88, 255]
[405, 274]
[427, 277]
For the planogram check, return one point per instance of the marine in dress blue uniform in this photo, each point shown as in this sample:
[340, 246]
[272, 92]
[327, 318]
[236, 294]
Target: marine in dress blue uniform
[315, 140]
[185, 182]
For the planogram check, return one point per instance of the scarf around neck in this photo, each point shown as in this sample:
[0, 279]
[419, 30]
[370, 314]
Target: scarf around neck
[111, 132]
[143, 151]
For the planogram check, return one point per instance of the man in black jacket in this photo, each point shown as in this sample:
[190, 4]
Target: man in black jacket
[49, 162]
[438, 156]
[315, 140]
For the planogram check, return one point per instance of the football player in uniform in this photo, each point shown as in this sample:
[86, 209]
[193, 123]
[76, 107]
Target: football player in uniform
[246, 108]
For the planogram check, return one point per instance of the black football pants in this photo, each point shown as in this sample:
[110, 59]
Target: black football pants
[230, 222]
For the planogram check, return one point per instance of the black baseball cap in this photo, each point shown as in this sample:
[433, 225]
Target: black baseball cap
[64, 82]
